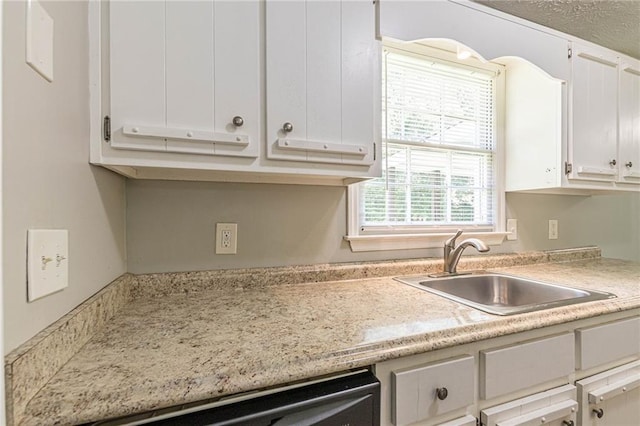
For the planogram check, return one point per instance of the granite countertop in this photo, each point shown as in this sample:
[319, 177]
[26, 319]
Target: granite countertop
[178, 348]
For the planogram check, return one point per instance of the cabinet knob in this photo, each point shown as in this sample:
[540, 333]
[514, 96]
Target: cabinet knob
[568, 423]
[599, 412]
[442, 393]
[613, 162]
[238, 121]
[287, 127]
[629, 164]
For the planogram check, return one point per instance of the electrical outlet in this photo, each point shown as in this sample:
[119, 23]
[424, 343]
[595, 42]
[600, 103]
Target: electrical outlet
[226, 238]
[512, 229]
[553, 229]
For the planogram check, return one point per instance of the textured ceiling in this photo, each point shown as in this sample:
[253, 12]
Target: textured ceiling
[613, 24]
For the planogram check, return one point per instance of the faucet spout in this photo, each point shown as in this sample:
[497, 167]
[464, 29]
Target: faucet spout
[452, 253]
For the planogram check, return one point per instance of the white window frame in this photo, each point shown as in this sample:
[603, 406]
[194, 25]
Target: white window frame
[413, 237]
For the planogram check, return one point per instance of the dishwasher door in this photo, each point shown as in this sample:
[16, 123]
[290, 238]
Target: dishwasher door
[352, 399]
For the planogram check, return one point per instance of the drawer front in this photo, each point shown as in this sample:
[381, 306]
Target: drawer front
[606, 343]
[415, 391]
[527, 364]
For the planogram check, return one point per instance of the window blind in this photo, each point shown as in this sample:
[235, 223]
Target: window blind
[438, 147]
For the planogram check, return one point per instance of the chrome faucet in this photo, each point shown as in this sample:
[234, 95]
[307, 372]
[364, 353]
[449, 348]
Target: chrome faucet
[452, 253]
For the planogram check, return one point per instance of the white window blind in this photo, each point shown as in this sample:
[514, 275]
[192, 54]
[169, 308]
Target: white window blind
[438, 147]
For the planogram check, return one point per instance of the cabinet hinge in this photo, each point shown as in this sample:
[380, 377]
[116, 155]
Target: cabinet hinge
[106, 128]
[568, 168]
[374, 151]
[570, 53]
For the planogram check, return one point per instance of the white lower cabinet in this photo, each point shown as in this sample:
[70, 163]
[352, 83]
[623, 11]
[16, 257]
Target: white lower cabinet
[611, 398]
[553, 407]
[583, 373]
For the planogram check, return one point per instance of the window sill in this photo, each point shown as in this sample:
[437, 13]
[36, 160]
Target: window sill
[361, 243]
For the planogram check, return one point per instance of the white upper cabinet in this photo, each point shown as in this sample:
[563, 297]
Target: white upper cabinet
[183, 86]
[593, 112]
[185, 77]
[489, 35]
[629, 130]
[322, 81]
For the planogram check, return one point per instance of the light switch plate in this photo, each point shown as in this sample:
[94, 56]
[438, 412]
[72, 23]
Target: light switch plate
[48, 262]
[39, 40]
[512, 229]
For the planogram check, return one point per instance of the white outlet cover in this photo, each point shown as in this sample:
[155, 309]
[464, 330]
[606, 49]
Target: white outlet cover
[39, 39]
[230, 246]
[48, 262]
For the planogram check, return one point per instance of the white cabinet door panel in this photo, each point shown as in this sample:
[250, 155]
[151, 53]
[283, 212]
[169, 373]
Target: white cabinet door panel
[137, 56]
[594, 113]
[360, 59]
[286, 71]
[556, 407]
[321, 77]
[630, 121]
[324, 109]
[187, 67]
[237, 73]
[189, 72]
[613, 394]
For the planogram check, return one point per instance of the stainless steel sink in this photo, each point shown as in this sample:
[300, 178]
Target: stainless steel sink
[503, 294]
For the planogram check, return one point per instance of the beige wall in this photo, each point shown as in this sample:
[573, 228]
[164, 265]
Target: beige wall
[47, 180]
[170, 225]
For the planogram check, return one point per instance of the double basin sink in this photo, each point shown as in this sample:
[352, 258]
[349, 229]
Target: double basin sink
[502, 294]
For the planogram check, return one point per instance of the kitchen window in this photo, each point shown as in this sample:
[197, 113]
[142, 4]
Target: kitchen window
[441, 153]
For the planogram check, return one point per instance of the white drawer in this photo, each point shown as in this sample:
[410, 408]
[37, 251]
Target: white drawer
[551, 407]
[415, 390]
[606, 343]
[526, 364]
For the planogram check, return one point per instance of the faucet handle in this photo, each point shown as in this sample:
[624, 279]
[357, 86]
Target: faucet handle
[452, 241]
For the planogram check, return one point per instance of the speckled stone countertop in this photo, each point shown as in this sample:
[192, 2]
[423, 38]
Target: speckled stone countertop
[189, 346]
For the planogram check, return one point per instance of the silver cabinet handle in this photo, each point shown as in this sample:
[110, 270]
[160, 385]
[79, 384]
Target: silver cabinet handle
[629, 164]
[599, 412]
[237, 121]
[287, 127]
[613, 162]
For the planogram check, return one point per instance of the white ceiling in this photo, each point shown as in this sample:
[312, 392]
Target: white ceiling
[611, 23]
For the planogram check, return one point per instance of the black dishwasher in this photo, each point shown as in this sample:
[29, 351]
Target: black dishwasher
[349, 400]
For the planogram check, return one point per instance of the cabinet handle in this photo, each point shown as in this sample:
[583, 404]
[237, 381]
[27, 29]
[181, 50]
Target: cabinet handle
[613, 162]
[599, 412]
[287, 127]
[442, 393]
[629, 164]
[238, 121]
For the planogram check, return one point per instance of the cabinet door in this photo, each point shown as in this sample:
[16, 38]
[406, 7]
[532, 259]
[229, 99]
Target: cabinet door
[593, 114]
[611, 398]
[179, 74]
[630, 121]
[321, 61]
[556, 407]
